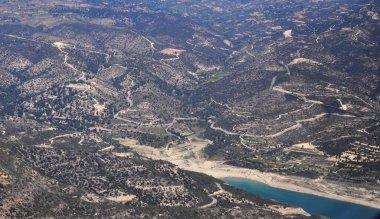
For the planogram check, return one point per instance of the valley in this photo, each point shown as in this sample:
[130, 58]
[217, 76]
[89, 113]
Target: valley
[135, 109]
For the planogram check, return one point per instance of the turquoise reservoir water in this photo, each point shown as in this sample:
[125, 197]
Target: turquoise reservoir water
[313, 204]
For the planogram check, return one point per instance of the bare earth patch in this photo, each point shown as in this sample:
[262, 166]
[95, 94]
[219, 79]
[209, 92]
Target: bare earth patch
[5, 179]
[289, 210]
[91, 198]
[303, 60]
[122, 154]
[172, 52]
[276, 28]
[287, 33]
[122, 198]
[306, 145]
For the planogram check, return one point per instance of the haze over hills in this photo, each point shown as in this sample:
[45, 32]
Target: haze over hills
[114, 108]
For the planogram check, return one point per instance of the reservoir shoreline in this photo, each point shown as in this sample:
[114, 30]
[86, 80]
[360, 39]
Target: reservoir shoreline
[218, 169]
[291, 183]
[312, 204]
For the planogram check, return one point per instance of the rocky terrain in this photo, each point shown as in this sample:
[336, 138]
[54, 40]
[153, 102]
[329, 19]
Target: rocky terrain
[109, 106]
